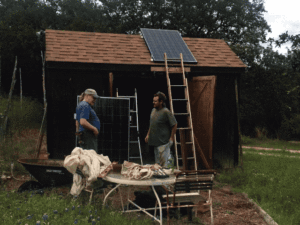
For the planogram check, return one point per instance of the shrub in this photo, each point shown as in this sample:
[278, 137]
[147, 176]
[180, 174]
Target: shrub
[30, 115]
[290, 128]
[261, 133]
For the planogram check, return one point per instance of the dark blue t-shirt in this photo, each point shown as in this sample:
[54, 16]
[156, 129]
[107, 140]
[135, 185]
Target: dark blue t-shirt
[85, 111]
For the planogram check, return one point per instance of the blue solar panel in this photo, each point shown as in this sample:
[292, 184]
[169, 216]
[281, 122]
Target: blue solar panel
[167, 41]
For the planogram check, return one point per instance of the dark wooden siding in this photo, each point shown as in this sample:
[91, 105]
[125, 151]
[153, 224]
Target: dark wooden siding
[63, 86]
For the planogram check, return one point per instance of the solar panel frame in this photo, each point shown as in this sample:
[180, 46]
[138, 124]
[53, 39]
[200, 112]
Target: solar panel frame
[161, 41]
[114, 134]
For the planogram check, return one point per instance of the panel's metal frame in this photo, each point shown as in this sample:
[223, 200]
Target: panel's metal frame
[125, 98]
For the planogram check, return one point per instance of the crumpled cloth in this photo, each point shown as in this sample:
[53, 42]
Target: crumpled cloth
[135, 171]
[91, 165]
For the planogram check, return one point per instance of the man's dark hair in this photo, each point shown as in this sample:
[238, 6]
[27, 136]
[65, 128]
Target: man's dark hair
[161, 97]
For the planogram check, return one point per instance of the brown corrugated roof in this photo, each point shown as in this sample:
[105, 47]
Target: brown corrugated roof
[107, 48]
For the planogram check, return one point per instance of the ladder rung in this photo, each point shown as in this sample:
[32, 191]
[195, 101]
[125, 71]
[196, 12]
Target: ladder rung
[187, 143]
[178, 85]
[136, 157]
[188, 158]
[133, 126]
[132, 111]
[184, 128]
[183, 99]
[135, 142]
[182, 114]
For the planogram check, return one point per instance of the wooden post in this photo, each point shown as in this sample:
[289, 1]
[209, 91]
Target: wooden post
[183, 149]
[9, 98]
[41, 135]
[20, 88]
[111, 79]
[0, 77]
[238, 122]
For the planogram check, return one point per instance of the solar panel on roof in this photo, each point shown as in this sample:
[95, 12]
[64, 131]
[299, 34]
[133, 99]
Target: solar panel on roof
[167, 41]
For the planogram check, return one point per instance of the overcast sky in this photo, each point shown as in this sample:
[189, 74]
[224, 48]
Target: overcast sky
[282, 16]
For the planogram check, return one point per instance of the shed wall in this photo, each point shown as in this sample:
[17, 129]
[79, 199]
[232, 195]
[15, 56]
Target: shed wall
[62, 90]
[63, 86]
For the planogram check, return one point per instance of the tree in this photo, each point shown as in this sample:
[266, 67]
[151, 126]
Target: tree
[80, 16]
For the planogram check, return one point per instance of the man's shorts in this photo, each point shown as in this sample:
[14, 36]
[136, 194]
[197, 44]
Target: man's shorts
[163, 155]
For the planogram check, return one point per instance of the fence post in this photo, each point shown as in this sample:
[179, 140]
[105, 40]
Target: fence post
[9, 98]
[41, 135]
[20, 88]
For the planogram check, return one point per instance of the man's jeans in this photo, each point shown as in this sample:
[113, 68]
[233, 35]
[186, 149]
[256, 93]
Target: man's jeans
[89, 140]
[163, 155]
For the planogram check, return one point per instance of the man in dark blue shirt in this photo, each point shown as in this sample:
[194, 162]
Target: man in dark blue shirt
[87, 122]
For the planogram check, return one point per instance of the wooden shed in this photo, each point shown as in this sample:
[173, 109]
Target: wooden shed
[104, 61]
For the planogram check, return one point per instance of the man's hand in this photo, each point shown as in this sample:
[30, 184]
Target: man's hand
[87, 125]
[95, 131]
[171, 141]
[146, 138]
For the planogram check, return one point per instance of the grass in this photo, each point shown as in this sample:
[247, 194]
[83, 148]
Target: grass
[54, 208]
[270, 143]
[272, 181]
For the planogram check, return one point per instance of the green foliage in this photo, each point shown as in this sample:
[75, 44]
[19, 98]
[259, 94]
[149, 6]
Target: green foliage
[268, 94]
[30, 115]
[290, 128]
[261, 133]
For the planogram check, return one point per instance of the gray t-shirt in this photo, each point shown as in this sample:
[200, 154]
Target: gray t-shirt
[161, 123]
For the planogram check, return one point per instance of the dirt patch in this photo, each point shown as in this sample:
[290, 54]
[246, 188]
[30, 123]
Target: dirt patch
[228, 207]
[231, 208]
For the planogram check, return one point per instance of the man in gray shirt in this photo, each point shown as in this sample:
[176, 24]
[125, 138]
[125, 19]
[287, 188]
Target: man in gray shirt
[162, 129]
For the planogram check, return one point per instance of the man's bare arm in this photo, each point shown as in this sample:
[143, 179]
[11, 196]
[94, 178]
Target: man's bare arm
[174, 128]
[147, 137]
[77, 125]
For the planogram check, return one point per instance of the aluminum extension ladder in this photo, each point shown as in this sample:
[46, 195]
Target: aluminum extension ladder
[184, 87]
[134, 124]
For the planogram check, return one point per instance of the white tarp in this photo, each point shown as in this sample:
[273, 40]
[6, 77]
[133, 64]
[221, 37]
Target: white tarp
[91, 165]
